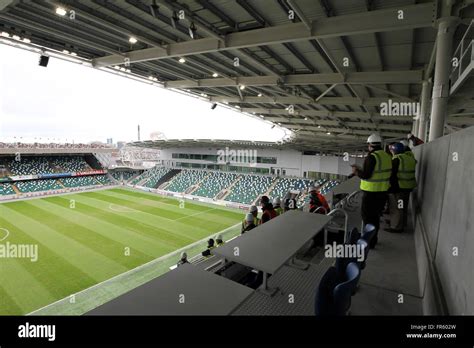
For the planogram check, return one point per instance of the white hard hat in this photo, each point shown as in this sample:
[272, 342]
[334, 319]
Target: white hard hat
[374, 138]
[249, 217]
[253, 208]
[277, 200]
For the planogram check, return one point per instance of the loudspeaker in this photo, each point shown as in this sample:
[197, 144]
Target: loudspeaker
[44, 60]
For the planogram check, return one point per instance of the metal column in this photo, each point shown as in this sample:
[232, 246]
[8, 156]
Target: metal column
[425, 104]
[446, 28]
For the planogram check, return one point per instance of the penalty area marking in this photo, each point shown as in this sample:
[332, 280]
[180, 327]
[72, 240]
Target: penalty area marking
[7, 233]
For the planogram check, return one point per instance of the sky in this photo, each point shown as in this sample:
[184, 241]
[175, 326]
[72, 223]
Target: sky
[71, 102]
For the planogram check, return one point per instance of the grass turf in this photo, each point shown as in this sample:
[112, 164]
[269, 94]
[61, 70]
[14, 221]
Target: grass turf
[83, 239]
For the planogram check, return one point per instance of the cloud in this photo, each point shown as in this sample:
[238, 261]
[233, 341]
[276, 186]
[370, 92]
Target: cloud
[71, 101]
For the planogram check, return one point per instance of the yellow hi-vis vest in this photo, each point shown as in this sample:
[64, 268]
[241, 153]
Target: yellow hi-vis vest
[406, 171]
[380, 179]
[256, 221]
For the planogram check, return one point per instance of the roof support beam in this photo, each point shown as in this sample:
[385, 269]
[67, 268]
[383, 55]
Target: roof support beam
[299, 100]
[416, 16]
[322, 113]
[364, 78]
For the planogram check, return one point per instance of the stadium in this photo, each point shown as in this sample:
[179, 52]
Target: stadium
[239, 225]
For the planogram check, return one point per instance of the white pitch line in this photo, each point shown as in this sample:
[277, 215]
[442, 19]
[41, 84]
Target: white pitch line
[6, 236]
[201, 212]
[135, 269]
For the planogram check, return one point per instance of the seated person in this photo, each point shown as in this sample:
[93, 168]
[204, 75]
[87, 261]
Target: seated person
[249, 223]
[219, 240]
[254, 211]
[183, 260]
[317, 202]
[277, 205]
[210, 246]
[268, 210]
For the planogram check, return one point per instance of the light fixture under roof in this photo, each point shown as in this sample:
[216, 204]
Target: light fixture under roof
[242, 87]
[259, 95]
[182, 60]
[319, 126]
[65, 51]
[132, 40]
[306, 119]
[61, 11]
[192, 30]
[328, 133]
[215, 75]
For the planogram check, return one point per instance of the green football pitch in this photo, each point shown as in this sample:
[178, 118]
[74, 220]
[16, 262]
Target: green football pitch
[87, 238]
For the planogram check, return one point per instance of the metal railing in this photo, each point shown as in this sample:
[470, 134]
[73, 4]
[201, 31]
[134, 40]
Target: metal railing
[463, 59]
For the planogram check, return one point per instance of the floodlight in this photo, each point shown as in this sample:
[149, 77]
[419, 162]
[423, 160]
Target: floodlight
[61, 11]
[132, 40]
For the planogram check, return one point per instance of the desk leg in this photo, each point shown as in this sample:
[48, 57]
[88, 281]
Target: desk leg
[265, 289]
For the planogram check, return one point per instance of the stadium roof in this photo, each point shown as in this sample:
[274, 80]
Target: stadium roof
[319, 68]
[209, 143]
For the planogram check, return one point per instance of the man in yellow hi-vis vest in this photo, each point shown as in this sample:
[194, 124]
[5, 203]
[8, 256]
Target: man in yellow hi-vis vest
[402, 182]
[375, 182]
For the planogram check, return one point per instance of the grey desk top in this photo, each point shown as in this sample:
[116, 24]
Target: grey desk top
[205, 293]
[348, 186]
[268, 246]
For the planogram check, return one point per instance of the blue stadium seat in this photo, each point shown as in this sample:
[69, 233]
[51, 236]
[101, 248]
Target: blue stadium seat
[324, 302]
[333, 295]
[343, 292]
[354, 235]
[368, 233]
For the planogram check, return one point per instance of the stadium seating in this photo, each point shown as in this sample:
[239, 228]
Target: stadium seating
[38, 185]
[6, 189]
[116, 175]
[150, 177]
[28, 165]
[69, 164]
[185, 179]
[284, 185]
[103, 179]
[249, 187]
[328, 186]
[80, 181]
[124, 175]
[155, 175]
[214, 183]
[127, 175]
